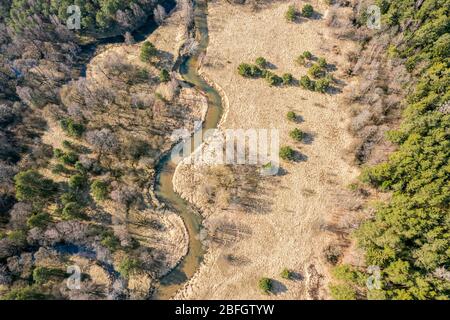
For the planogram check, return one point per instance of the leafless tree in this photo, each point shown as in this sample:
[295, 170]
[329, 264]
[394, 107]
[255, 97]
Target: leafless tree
[129, 39]
[160, 14]
[104, 141]
[20, 213]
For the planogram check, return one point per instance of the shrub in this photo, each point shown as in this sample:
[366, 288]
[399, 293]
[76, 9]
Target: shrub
[265, 284]
[69, 158]
[296, 134]
[306, 83]
[322, 62]
[316, 71]
[287, 78]
[110, 241]
[286, 274]
[164, 75]
[32, 186]
[249, 71]
[39, 220]
[42, 275]
[322, 85]
[72, 128]
[291, 13]
[261, 62]
[300, 60]
[77, 182]
[18, 238]
[342, 292]
[68, 197]
[25, 293]
[127, 266]
[72, 211]
[59, 169]
[287, 153]
[148, 51]
[291, 116]
[273, 79]
[99, 190]
[307, 55]
[307, 10]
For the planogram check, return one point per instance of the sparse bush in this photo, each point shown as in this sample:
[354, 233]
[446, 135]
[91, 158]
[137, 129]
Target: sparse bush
[59, 169]
[322, 85]
[148, 51]
[77, 182]
[342, 292]
[296, 134]
[99, 190]
[300, 60]
[287, 153]
[32, 186]
[72, 211]
[307, 55]
[69, 158]
[322, 62]
[18, 238]
[110, 241]
[42, 275]
[332, 254]
[164, 75]
[265, 284]
[273, 79]
[286, 274]
[291, 13]
[287, 78]
[249, 71]
[25, 293]
[316, 71]
[127, 266]
[307, 83]
[291, 116]
[39, 220]
[72, 128]
[307, 10]
[261, 62]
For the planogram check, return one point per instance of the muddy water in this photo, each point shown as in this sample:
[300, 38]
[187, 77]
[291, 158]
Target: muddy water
[164, 187]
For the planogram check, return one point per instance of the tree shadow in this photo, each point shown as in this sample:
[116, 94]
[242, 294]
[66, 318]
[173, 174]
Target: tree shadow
[296, 276]
[299, 157]
[269, 65]
[278, 287]
[308, 138]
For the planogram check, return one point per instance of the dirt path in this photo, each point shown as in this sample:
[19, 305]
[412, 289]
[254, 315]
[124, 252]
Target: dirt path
[288, 234]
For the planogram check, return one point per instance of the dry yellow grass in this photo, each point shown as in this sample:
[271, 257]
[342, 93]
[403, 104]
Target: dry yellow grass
[289, 234]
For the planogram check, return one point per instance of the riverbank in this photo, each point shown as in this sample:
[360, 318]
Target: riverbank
[289, 232]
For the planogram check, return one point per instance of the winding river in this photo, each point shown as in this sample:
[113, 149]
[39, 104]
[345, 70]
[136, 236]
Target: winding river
[175, 279]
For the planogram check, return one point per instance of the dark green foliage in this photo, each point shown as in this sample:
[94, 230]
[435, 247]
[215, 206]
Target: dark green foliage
[307, 55]
[18, 238]
[307, 83]
[42, 275]
[32, 186]
[296, 134]
[316, 71]
[287, 78]
[25, 293]
[99, 190]
[148, 51]
[164, 75]
[72, 128]
[127, 266]
[265, 284]
[291, 116]
[273, 79]
[408, 238]
[286, 274]
[287, 153]
[342, 292]
[77, 182]
[39, 220]
[110, 241]
[249, 71]
[322, 85]
[261, 62]
[307, 10]
[291, 13]
[322, 62]
[72, 211]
